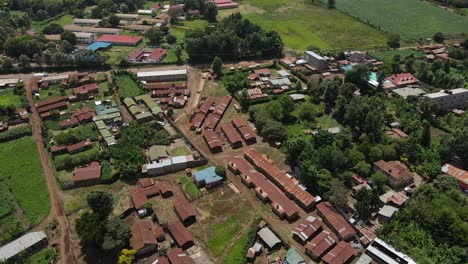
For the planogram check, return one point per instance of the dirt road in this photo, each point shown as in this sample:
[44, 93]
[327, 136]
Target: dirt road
[57, 211]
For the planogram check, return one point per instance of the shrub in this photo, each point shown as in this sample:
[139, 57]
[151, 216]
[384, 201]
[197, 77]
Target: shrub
[106, 172]
[68, 161]
[14, 133]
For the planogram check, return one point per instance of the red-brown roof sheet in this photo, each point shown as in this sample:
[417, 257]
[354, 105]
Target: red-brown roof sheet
[212, 139]
[120, 39]
[336, 220]
[178, 256]
[91, 172]
[321, 243]
[231, 133]
[86, 89]
[183, 208]
[180, 234]
[340, 254]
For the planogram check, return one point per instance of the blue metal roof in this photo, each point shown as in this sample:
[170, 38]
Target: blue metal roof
[99, 45]
[292, 257]
[208, 175]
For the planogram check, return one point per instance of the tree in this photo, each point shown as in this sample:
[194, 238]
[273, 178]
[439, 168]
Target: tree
[308, 112]
[439, 37]
[244, 98]
[274, 131]
[114, 20]
[331, 4]
[445, 183]
[155, 36]
[100, 202]
[53, 28]
[127, 256]
[426, 134]
[339, 194]
[211, 12]
[24, 61]
[178, 53]
[379, 179]
[362, 168]
[96, 13]
[375, 154]
[171, 39]
[68, 36]
[116, 236]
[221, 171]
[217, 66]
[294, 147]
[367, 201]
[7, 64]
[90, 228]
[393, 41]
[358, 75]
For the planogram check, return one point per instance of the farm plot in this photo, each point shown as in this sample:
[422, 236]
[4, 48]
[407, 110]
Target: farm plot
[388, 55]
[8, 97]
[24, 194]
[305, 26]
[411, 19]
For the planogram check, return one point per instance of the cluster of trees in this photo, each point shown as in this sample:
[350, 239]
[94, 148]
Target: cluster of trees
[206, 9]
[455, 3]
[233, 37]
[106, 7]
[10, 24]
[433, 227]
[127, 154]
[99, 230]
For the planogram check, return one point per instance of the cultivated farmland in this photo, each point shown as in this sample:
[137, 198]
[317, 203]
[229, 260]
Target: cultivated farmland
[303, 26]
[409, 18]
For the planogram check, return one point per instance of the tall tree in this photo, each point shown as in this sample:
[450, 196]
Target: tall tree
[114, 20]
[68, 36]
[154, 36]
[338, 194]
[217, 66]
[100, 202]
[367, 201]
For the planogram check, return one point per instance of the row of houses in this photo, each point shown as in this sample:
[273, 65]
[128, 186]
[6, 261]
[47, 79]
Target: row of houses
[237, 131]
[107, 120]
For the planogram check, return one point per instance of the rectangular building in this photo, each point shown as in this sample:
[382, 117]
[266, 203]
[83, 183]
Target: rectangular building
[163, 76]
[336, 221]
[449, 99]
[123, 40]
[96, 30]
[316, 61]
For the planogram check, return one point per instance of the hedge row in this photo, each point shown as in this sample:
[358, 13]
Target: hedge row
[68, 161]
[15, 133]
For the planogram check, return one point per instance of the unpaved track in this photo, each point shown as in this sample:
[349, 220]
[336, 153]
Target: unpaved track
[57, 211]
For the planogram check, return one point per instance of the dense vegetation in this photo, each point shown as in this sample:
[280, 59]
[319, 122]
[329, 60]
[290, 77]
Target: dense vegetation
[127, 152]
[433, 227]
[232, 37]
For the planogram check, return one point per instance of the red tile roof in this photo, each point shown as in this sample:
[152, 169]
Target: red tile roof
[340, 254]
[275, 195]
[91, 172]
[263, 71]
[336, 221]
[86, 89]
[206, 105]
[52, 101]
[120, 39]
[183, 208]
[231, 133]
[321, 243]
[69, 122]
[395, 168]
[222, 105]
[180, 234]
[212, 139]
[178, 256]
[211, 121]
[142, 234]
[402, 79]
[279, 177]
[307, 228]
[157, 54]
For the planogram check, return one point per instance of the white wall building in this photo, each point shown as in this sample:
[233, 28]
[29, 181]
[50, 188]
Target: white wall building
[448, 99]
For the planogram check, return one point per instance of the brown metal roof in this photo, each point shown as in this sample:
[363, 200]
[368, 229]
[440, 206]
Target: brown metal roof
[340, 254]
[337, 222]
[183, 208]
[231, 133]
[321, 243]
[91, 172]
[180, 234]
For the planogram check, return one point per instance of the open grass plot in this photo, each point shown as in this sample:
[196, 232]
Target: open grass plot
[127, 87]
[8, 97]
[303, 26]
[409, 18]
[190, 189]
[388, 55]
[61, 20]
[21, 167]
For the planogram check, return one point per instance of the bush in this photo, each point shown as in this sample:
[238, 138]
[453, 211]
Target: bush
[77, 134]
[106, 172]
[221, 171]
[14, 133]
[68, 161]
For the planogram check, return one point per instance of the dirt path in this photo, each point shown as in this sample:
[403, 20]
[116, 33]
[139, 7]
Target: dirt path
[57, 211]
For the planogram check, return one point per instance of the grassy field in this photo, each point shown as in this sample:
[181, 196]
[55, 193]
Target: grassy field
[127, 87]
[43, 256]
[7, 97]
[20, 165]
[180, 151]
[189, 187]
[304, 26]
[387, 55]
[236, 253]
[222, 233]
[54, 90]
[117, 53]
[411, 19]
[62, 20]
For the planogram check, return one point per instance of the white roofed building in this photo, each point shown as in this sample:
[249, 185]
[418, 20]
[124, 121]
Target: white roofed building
[29, 242]
[448, 99]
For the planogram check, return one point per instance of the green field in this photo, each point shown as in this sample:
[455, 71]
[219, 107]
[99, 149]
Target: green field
[224, 232]
[411, 19]
[127, 87]
[62, 20]
[180, 151]
[189, 187]
[8, 97]
[21, 167]
[236, 253]
[44, 256]
[305, 26]
[387, 55]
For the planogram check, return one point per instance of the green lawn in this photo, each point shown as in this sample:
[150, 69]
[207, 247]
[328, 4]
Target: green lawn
[62, 20]
[54, 90]
[303, 26]
[127, 87]
[117, 53]
[236, 253]
[189, 187]
[387, 55]
[8, 97]
[326, 122]
[224, 232]
[21, 167]
[411, 19]
[43, 256]
[10, 227]
[180, 151]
